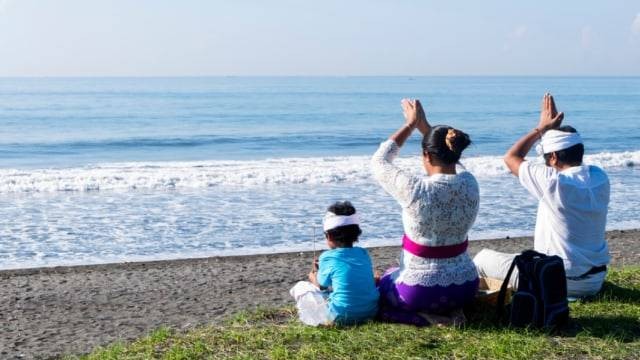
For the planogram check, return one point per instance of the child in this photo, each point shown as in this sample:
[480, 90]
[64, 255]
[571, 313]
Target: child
[341, 287]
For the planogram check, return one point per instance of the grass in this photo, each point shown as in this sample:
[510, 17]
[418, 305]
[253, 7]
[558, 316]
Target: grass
[606, 327]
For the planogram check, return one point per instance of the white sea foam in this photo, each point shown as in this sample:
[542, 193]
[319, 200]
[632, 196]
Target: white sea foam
[193, 175]
[56, 228]
[41, 260]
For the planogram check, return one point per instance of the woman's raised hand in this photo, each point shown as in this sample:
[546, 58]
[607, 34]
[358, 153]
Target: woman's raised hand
[410, 112]
[423, 124]
[549, 116]
[414, 115]
[414, 118]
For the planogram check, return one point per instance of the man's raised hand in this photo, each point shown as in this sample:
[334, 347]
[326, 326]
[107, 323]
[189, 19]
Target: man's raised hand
[549, 116]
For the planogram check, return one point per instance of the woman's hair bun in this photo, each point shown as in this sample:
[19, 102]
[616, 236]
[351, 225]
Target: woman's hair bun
[457, 140]
[446, 143]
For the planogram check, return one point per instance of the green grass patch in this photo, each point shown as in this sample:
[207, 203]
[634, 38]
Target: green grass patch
[606, 327]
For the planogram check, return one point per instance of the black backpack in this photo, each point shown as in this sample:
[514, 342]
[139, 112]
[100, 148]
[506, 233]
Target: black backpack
[541, 298]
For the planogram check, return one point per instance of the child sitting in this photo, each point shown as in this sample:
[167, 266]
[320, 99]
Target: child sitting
[341, 287]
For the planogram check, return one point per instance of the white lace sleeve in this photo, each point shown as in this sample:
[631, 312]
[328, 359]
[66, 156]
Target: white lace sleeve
[397, 182]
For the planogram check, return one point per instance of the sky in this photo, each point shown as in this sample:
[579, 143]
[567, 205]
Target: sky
[318, 38]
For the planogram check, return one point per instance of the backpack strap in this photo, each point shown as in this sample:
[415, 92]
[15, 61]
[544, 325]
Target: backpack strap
[503, 290]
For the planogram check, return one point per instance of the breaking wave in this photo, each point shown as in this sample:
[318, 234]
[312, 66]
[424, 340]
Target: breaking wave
[219, 173]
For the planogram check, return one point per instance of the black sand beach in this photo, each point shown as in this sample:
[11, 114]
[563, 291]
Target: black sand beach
[47, 312]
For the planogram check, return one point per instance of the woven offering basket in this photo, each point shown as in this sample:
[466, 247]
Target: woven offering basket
[488, 291]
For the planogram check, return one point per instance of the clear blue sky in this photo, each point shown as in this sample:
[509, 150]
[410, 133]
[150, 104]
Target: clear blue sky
[330, 37]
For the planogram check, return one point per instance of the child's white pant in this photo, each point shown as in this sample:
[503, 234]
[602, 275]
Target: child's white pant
[496, 265]
[312, 304]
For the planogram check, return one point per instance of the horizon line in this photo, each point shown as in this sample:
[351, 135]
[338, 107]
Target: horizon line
[316, 76]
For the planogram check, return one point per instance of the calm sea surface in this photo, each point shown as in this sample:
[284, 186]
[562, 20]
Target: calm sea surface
[97, 170]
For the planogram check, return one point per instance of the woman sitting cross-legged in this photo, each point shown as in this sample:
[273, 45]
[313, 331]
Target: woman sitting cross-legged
[436, 275]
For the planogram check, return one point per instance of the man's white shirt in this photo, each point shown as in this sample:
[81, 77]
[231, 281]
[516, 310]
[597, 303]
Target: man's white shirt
[572, 213]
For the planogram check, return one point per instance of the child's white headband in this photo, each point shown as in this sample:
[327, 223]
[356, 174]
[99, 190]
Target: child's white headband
[332, 221]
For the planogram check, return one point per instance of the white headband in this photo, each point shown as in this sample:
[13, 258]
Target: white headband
[555, 140]
[332, 221]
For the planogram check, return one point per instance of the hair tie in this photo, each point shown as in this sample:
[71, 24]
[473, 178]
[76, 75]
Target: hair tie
[451, 135]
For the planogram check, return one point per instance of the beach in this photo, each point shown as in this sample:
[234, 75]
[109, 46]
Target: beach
[134, 172]
[165, 167]
[47, 312]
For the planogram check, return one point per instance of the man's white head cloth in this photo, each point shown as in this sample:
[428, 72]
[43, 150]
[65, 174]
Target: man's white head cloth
[332, 221]
[556, 140]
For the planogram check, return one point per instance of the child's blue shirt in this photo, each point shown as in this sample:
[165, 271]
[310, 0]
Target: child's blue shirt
[349, 272]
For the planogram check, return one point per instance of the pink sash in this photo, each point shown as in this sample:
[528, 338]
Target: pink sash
[433, 252]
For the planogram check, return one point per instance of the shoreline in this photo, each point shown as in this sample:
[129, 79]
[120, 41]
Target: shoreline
[236, 253]
[49, 311]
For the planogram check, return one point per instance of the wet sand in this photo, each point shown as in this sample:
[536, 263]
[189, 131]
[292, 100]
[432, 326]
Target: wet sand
[46, 312]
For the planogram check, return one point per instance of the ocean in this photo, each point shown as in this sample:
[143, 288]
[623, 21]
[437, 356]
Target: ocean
[98, 170]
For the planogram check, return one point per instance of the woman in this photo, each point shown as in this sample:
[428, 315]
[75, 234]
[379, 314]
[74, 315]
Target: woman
[436, 275]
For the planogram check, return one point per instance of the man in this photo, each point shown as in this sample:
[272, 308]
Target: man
[572, 210]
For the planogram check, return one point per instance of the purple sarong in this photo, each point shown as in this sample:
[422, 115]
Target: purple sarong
[401, 303]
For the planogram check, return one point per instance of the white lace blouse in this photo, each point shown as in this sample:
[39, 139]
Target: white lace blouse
[436, 210]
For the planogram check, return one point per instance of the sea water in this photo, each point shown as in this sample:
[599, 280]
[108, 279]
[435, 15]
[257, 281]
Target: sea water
[96, 170]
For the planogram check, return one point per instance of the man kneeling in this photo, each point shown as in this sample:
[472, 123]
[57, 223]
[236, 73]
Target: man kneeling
[572, 210]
